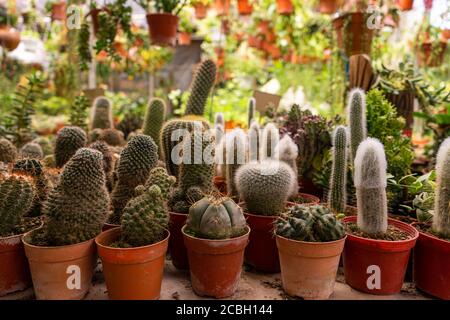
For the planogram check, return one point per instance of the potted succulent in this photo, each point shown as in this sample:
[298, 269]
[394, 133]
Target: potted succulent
[377, 249]
[133, 255]
[74, 215]
[432, 251]
[310, 240]
[215, 236]
[244, 7]
[185, 31]
[201, 8]
[9, 37]
[430, 47]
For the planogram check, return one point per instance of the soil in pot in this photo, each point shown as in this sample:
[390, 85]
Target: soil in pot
[177, 249]
[163, 28]
[132, 273]
[305, 198]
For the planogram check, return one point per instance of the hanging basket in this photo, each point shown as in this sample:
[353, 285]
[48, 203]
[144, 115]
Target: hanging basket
[9, 37]
[163, 28]
[430, 55]
[328, 6]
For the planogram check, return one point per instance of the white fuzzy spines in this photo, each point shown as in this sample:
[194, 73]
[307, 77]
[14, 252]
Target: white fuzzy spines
[441, 217]
[269, 139]
[287, 151]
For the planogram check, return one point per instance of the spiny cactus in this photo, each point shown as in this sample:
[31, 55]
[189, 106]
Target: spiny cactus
[8, 152]
[154, 119]
[287, 151]
[265, 186]
[108, 160]
[31, 150]
[137, 159]
[251, 111]
[16, 199]
[221, 157]
[101, 114]
[441, 217]
[215, 218]
[219, 119]
[337, 197]
[68, 141]
[370, 184]
[254, 145]
[77, 207]
[269, 139]
[356, 109]
[204, 80]
[45, 144]
[112, 137]
[309, 223]
[94, 135]
[160, 177]
[236, 150]
[219, 127]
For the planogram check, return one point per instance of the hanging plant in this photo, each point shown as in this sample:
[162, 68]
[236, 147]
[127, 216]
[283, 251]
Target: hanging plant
[201, 8]
[9, 37]
[244, 7]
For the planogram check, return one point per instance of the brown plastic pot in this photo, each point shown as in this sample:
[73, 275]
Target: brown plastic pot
[52, 269]
[352, 33]
[184, 38]
[9, 37]
[132, 273]
[427, 56]
[285, 7]
[177, 248]
[308, 269]
[215, 265]
[404, 103]
[163, 28]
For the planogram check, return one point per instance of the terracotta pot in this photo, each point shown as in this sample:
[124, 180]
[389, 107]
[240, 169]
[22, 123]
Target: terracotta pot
[107, 226]
[285, 7]
[59, 11]
[254, 42]
[52, 269]
[308, 269]
[200, 11]
[271, 49]
[244, 7]
[132, 273]
[163, 28]
[310, 199]
[177, 249]
[405, 5]
[184, 38]
[221, 184]
[404, 103]
[9, 37]
[215, 265]
[352, 33]
[391, 257]
[222, 7]
[328, 6]
[427, 58]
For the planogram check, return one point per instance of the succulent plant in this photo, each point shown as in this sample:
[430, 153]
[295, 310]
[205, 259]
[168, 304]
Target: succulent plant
[356, 109]
[441, 217]
[236, 151]
[68, 141]
[251, 111]
[154, 119]
[265, 186]
[370, 183]
[254, 135]
[8, 152]
[108, 161]
[337, 197]
[101, 114]
[113, 137]
[31, 150]
[287, 151]
[45, 144]
[309, 223]
[269, 138]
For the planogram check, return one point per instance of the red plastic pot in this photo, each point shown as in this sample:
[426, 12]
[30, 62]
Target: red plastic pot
[215, 265]
[163, 28]
[391, 257]
[9, 37]
[310, 199]
[285, 7]
[405, 5]
[244, 7]
[431, 268]
[177, 248]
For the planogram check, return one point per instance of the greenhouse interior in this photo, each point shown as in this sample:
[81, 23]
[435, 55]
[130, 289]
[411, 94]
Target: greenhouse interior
[224, 149]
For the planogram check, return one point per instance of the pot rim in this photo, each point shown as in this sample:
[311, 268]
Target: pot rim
[21, 234]
[161, 14]
[430, 236]
[118, 229]
[50, 247]
[311, 242]
[215, 240]
[178, 213]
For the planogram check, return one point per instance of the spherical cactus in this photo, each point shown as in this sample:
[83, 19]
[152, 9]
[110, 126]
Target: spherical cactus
[269, 139]
[370, 183]
[68, 141]
[101, 114]
[215, 218]
[31, 150]
[309, 223]
[112, 137]
[287, 151]
[254, 145]
[160, 178]
[265, 186]
[356, 109]
[202, 84]
[236, 150]
[154, 119]
[441, 217]
[337, 196]
[8, 152]
[77, 207]
[251, 111]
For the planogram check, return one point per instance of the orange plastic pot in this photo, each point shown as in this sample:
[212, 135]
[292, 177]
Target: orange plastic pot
[222, 7]
[201, 11]
[215, 265]
[132, 273]
[163, 28]
[254, 42]
[59, 11]
[328, 6]
[383, 260]
[445, 34]
[244, 7]
[308, 269]
[61, 273]
[9, 37]
[285, 7]
[405, 5]
[177, 248]
[107, 226]
[184, 38]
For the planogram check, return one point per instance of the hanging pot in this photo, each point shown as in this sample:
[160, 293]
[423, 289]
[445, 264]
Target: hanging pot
[285, 7]
[201, 10]
[163, 28]
[59, 11]
[222, 7]
[244, 7]
[9, 37]
[405, 5]
[177, 248]
[184, 38]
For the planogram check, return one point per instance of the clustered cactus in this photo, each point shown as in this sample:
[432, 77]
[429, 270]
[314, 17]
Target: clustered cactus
[68, 141]
[337, 197]
[235, 158]
[287, 151]
[441, 217]
[154, 119]
[31, 150]
[309, 223]
[356, 109]
[101, 114]
[8, 152]
[215, 218]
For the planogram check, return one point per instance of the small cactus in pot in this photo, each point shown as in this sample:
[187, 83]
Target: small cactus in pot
[338, 183]
[441, 217]
[8, 152]
[287, 151]
[356, 114]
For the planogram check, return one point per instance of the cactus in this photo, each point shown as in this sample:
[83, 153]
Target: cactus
[101, 114]
[16, 199]
[356, 109]
[77, 207]
[338, 182]
[251, 111]
[236, 154]
[309, 223]
[370, 183]
[254, 135]
[265, 186]
[160, 177]
[112, 137]
[45, 144]
[269, 139]
[8, 152]
[219, 127]
[31, 150]
[441, 217]
[68, 141]
[137, 159]
[204, 80]
[215, 218]
[287, 151]
[154, 119]
[108, 161]
[219, 119]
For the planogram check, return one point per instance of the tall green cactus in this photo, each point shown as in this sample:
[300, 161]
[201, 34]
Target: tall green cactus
[250, 111]
[8, 152]
[31, 150]
[254, 144]
[337, 196]
[356, 109]
[154, 119]
[370, 183]
[202, 84]
[236, 150]
[441, 217]
[101, 114]
[287, 151]
[68, 141]
[269, 139]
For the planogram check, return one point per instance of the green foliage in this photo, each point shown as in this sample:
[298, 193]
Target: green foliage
[84, 51]
[163, 6]
[68, 141]
[79, 112]
[202, 84]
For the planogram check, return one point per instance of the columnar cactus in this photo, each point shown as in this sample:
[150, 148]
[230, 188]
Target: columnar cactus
[77, 207]
[215, 218]
[68, 141]
[154, 119]
[201, 86]
[31, 150]
[8, 152]
[16, 199]
[236, 150]
[250, 111]
[108, 160]
[219, 127]
[370, 183]
[309, 223]
[287, 151]
[356, 109]
[265, 186]
[337, 196]
[269, 139]
[101, 114]
[254, 145]
[441, 217]
[137, 159]
[219, 119]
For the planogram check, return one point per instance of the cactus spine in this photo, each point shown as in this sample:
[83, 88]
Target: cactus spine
[269, 140]
[441, 217]
[370, 183]
[356, 109]
[154, 119]
[101, 114]
[108, 161]
[68, 141]
[251, 111]
[8, 152]
[254, 135]
[337, 196]
[287, 151]
[236, 154]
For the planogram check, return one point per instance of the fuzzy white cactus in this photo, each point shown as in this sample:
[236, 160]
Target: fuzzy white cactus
[254, 141]
[441, 217]
[269, 139]
[287, 151]
[236, 151]
[356, 117]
